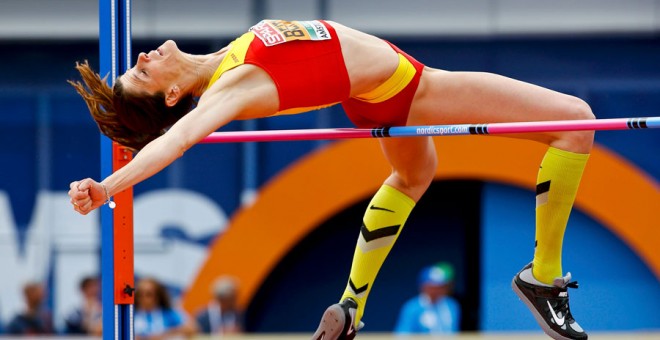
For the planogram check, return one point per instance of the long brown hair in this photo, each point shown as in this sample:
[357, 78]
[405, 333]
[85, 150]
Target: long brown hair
[161, 294]
[130, 119]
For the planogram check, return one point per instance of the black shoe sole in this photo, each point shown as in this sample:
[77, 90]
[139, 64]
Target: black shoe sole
[332, 324]
[539, 318]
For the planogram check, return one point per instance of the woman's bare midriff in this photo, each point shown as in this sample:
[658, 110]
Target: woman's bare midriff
[369, 60]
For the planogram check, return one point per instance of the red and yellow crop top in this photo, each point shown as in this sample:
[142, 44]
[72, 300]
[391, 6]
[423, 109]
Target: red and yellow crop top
[303, 58]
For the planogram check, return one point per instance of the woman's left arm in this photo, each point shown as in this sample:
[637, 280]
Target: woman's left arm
[214, 112]
[217, 107]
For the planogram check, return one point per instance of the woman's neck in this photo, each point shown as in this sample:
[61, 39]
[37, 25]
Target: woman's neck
[204, 66]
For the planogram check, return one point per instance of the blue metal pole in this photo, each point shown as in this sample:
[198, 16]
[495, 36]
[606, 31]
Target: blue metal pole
[114, 56]
[107, 50]
[125, 310]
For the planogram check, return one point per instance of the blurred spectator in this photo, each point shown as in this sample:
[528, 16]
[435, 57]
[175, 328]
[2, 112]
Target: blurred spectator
[86, 319]
[155, 318]
[433, 311]
[36, 319]
[222, 315]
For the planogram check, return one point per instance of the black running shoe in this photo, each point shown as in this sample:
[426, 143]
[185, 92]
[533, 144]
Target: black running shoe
[549, 304]
[337, 322]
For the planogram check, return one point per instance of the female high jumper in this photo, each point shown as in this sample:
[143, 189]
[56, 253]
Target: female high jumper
[288, 67]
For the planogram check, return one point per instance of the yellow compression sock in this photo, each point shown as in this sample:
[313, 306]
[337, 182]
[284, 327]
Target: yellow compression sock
[556, 187]
[385, 216]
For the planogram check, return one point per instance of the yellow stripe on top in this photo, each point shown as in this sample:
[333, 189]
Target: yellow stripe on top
[296, 110]
[393, 85]
[234, 57]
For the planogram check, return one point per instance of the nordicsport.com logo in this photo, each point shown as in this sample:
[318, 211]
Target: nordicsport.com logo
[443, 130]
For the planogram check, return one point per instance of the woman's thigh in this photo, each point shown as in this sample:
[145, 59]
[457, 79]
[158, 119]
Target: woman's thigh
[476, 97]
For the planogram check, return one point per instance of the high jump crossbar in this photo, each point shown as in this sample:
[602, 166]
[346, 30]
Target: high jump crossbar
[434, 130]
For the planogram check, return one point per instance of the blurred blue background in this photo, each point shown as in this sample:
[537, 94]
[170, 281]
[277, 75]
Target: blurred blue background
[605, 52]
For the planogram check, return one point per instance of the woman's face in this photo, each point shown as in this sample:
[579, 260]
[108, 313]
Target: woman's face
[92, 290]
[146, 292]
[154, 71]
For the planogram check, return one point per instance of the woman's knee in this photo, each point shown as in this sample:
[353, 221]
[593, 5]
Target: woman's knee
[576, 141]
[579, 109]
[415, 181]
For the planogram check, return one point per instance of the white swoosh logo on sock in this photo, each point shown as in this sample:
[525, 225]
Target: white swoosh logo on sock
[558, 321]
